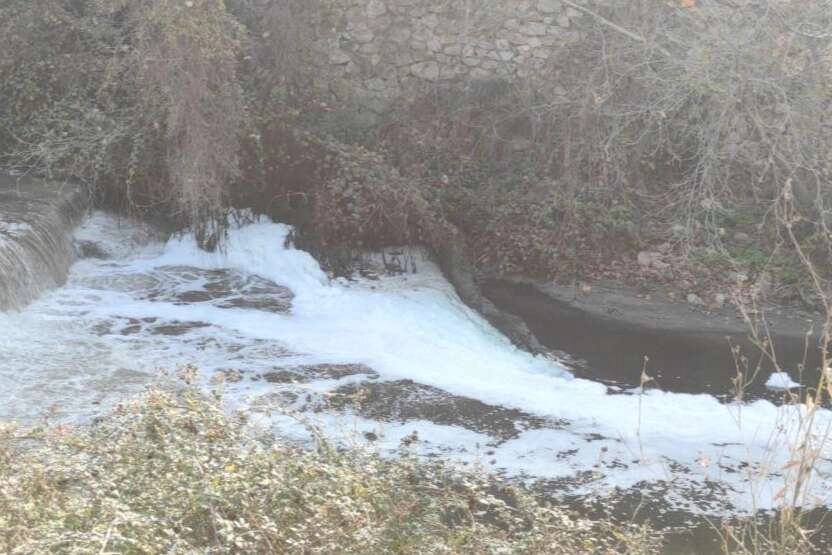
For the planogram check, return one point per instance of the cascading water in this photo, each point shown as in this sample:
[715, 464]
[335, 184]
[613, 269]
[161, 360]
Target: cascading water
[265, 316]
[36, 223]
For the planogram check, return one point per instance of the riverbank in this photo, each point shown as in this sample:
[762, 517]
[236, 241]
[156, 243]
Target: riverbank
[171, 471]
[616, 304]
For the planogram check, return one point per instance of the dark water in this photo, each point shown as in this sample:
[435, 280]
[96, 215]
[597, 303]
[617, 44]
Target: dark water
[689, 362]
[696, 363]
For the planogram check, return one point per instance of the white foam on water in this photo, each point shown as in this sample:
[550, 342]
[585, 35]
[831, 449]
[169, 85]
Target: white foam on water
[103, 335]
[781, 381]
[14, 228]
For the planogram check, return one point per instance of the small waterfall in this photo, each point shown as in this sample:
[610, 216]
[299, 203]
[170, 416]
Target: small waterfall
[36, 250]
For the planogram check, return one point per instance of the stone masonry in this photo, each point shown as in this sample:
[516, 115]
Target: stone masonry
[383, 48]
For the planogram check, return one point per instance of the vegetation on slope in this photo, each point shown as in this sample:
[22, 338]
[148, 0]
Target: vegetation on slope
[671, 128]
[679, 142]
[141, 100]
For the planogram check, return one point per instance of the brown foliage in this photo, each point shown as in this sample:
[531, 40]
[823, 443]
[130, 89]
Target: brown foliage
[659, 116]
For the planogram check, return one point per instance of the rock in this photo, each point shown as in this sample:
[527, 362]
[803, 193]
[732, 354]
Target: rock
[375, 84]
[520, 144]
[400, 35]
[742, 239]
[663, 267]
[363, 36]
[285, 377]
[737, 277]
[719, 300]
[534, 29]
[452, 71]
[376, 8]
[430, 21]
[407, 401]
[90, 249]
[229, 375]
[425, 70]
[549, 6]
[695, 300]
[651, 259]
[339, 57]
[454, 263]
[645, 258]
[678, 230]
[304, 374]
[369, 48]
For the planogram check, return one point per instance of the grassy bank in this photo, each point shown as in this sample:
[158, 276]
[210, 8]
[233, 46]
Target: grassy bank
[171, 472]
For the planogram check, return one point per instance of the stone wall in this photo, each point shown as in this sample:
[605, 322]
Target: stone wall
[382, 48]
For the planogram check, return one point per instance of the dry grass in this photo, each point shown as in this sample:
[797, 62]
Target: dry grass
[807, 443]
[171, 472]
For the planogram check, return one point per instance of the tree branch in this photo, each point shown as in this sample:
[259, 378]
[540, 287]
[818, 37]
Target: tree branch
[603, 20]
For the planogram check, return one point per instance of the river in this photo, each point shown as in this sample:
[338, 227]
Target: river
[374, 359]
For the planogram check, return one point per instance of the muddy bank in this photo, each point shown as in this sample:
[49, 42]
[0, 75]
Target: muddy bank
[608, 332]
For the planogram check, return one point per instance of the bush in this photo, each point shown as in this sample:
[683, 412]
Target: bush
[171, 472]
[655, 114]
[140, 100]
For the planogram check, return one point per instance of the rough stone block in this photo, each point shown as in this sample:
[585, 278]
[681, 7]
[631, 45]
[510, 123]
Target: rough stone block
[428, 71]
[549, 6]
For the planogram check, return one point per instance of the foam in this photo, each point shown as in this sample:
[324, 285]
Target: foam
[781, 381]
[92, 341]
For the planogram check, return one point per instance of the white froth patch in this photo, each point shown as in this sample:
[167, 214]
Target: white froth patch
[259, 248]
[119, 237]
[15, 229]
[781, 381]
[93, 340]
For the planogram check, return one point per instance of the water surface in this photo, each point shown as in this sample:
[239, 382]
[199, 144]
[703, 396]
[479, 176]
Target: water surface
[262, 308]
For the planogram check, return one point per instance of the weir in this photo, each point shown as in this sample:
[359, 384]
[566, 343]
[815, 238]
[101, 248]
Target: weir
[263, 319]
[36, 223]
